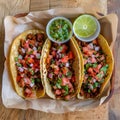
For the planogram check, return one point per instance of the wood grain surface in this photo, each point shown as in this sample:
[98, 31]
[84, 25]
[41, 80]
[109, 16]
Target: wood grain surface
[104, 112]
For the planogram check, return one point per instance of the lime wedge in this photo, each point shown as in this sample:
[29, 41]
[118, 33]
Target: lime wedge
[85, 26]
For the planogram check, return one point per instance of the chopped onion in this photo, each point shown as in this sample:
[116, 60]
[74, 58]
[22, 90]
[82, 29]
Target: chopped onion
[32, 84]
[20, 69]
[34, 48]
[67, 64]
[38, 55]
[91, 45]
[97, 48]
[90, 86]
[32, 56]
[50, 75]
[20, 57]
[23, 50]
[94, 80]
[31, 65]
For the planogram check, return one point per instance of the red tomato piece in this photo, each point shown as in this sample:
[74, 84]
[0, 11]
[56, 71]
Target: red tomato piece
[70, 55]
[65, 59]
[28, 92]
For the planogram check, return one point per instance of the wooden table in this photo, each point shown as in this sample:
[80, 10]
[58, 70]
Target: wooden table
[104, 112]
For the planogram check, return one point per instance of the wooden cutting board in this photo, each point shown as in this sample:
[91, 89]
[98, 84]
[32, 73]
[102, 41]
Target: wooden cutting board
[8, 7]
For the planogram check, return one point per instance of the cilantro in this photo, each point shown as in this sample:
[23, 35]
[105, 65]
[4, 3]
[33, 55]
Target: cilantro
[37, 80]
[96, 84]
[94, 65]
[32, 80]
[69, 73]
[66, 89]
[89, 78]
[58, 83]
[88, 65]
[19, 65]
[89, 90]
[104, 68]
[16, 59]
[99, 75]
[31, 71]
[29, 53]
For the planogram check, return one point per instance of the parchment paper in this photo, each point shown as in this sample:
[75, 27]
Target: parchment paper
[15, 26]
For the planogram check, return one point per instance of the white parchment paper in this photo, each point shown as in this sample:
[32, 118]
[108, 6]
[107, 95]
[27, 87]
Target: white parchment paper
[38, 20]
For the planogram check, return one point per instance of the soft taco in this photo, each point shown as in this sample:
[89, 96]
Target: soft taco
[25, 64]
[97, 66]
[61, 69]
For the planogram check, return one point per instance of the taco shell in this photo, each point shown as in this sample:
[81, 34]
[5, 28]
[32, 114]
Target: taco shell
[76, 66]
[109, 60]
[12, 67]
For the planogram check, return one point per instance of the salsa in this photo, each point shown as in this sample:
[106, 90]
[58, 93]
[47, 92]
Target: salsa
[60, 30]
[28, 63]
[60, 72]
[95, 68]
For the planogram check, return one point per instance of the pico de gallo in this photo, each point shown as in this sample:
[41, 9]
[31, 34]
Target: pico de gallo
[95, 68]
[28, 63]
[60, 72]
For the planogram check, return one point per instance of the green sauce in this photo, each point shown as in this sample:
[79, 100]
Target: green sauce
[60, 30]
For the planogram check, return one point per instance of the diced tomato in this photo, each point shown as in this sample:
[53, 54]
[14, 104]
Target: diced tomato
[53, 53]
[48, 60]
[90, 70]
[64, 48]
[95, 42]
[85, 49]
[65, 81]
[70, 55]
[27, 81]
[21, 83]
[70, 85]
[71, 89]
[58, 92]
[102, 57]
[18, 78]
[56, 71]
[23, 62]
[30, 60]
[92, 73]
[99, 66]
[97, 69]
[28, 92]
[65, 59]
[26, 45]
[82, 92]
[73, 79]
[64, 70]
[34, 52]
[63, 91]
[90, 52]
[67, 97]
[93, 60]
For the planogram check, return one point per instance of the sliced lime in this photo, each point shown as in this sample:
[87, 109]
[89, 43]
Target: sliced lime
[85, 26]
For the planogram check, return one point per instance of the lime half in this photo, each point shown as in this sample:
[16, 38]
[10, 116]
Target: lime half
[85, 26]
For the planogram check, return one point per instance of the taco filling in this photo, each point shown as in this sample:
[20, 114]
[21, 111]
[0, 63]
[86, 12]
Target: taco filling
[28, 63]
[95, 68]
[61, 75]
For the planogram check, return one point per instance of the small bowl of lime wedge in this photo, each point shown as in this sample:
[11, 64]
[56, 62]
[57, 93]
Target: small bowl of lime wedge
[86, 28]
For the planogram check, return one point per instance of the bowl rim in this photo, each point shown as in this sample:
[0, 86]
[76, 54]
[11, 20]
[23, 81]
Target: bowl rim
[57, 18]
[92, 37]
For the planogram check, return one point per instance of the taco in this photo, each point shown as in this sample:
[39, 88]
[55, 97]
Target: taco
[24, 64]
[61, 69]
[98, 67]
